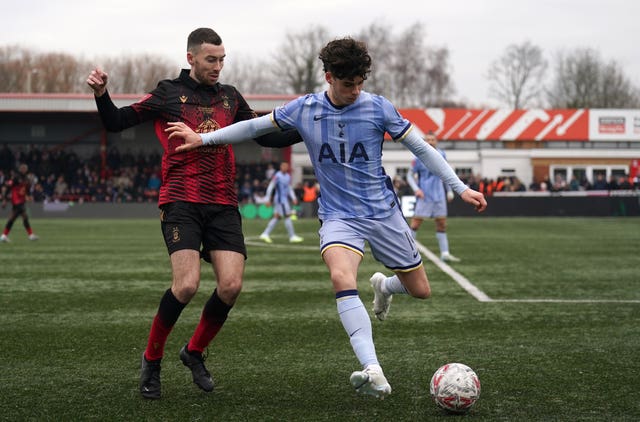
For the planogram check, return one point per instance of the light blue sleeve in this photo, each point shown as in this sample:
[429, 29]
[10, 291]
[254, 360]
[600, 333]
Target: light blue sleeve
[241, 131]
[434, 161]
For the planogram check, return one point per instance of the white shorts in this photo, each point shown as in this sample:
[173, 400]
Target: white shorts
[390, 239]
[430, 209]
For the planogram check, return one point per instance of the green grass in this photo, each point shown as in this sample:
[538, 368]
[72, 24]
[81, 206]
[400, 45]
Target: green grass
[76, 306]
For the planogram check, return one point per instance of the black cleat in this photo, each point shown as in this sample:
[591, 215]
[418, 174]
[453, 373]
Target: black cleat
[195, 362]
[150, 378]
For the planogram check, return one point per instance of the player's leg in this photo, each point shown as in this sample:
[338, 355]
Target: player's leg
[393, 246]
[186, 276]
[288, 224]
[343, 266]
[182, 238]
[9, 225]
[27, 225]
[415, 224]
[266, 234]
[443, 240]
[223, 246]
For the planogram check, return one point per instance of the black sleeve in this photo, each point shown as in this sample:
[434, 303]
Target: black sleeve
[279, 139]
[113, 118]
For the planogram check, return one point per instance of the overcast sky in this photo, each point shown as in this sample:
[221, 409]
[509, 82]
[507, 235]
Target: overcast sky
[476, 32]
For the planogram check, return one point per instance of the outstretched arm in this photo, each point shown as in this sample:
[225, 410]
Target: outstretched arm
[232, 134]
[438, 165]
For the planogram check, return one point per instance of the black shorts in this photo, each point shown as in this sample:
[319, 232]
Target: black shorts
[18, 209]
[202, 227]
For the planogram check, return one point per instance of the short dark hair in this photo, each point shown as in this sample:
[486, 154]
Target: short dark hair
[202, 36]
[346, 58]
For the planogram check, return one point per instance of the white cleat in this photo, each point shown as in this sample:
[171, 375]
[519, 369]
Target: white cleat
[4, 238]
[381, 301]
[371, 381]
[295, 239]
[33, 236]
[266, 238]
[447, 257]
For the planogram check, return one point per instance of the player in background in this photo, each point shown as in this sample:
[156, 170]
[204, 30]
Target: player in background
[343, 129]
[199, 207]
[282, 191]
[431, 199]
[17, 190]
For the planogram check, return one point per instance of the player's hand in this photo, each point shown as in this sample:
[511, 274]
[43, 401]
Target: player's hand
[419, 194]
[450, 195]
[474, 198]
[180, 130]
[97, 80]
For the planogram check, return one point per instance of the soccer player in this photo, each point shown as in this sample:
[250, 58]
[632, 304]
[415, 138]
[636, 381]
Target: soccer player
[343, 129]
[17, 189]
[282, 191]
[431, 199]
[199, 208]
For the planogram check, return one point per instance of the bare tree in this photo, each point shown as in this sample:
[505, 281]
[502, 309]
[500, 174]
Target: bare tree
[583, 80]
[377, 37]
[250, 76]
[516, 78]
[297, 65]
[137, 74]
[405, 70]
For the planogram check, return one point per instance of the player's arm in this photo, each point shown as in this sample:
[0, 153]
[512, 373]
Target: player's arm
[439, 166]
[232, 134]
[292, 195]
[270, 188]
[114, 119]
[411, 181]
[279, 139]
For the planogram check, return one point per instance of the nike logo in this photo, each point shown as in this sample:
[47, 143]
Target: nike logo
[415, 254]
[318, 117]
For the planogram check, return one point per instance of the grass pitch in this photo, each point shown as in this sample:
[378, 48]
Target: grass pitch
[557, 340]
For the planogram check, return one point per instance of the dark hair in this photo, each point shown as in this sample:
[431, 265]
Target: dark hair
[346, 58]
[203, 36]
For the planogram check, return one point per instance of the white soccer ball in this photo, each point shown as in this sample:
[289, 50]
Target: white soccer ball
[455, 387]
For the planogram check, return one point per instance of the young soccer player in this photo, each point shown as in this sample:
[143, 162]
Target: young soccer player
[282, 192]
[343, 129]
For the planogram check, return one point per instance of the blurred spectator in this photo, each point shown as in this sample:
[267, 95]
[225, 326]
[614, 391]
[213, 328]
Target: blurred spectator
[600, 183]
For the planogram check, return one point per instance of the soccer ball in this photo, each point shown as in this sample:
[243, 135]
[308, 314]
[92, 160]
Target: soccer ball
[455, 387]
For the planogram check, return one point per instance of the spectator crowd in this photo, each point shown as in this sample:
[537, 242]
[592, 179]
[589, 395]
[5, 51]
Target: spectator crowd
[61, 175]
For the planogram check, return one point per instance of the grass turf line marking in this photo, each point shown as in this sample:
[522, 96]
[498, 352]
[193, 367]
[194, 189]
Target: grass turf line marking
[456, 276]
[482, 297]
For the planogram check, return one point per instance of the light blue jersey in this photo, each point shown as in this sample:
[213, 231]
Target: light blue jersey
[280, 186]
[345, 147]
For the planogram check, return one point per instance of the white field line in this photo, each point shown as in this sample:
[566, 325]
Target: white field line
[456, 276]
[482, 297]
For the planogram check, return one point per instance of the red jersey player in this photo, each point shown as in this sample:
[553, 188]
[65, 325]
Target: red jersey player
[17, 189]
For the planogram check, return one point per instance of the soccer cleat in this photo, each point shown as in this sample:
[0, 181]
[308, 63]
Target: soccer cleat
[195, 362]
[447, 257]
[150, 378]
[381, 301]
[266, 238]
[371, 381]
[33, 236]
[295, 239]
[4, 238]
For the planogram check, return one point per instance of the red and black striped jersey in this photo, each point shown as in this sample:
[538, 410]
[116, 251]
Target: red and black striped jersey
[18, 189]
[205, 175]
